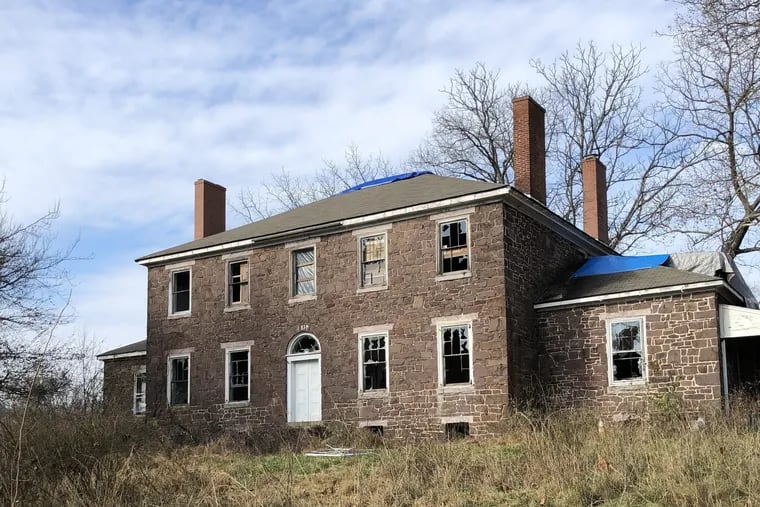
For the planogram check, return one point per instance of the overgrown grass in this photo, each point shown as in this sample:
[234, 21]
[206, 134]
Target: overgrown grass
[562, 459]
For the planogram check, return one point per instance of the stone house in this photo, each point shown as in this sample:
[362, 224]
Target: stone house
[417, 305]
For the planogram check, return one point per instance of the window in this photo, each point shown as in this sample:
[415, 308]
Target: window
[237, 283]
[180, 292]
[372, 259]
[237, 375]
[457, 430]
[374, 362]
[138, 404]
[626, 350]
[455, 351]
[179, 380]
[454, 248]
[304, 273]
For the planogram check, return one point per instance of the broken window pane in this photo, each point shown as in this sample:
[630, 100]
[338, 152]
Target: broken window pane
[238, 381]
[303, 272]
[238, 282]
[180, 291]
[180, 381]
[305, 344]
[373, 272]
[454, 250]
[374, 362]
[456, 355]
[627, 355]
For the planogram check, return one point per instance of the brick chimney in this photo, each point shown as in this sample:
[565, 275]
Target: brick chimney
[210, 208]
[595, 198]
[529, 148]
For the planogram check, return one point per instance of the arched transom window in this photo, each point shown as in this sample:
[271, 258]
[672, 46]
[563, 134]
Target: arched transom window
[304, 344]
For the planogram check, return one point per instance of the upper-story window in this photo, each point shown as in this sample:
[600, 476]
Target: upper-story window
[373, 260]
[304, 272]
[180, 289]
[237, 283]
[626, 359]
[454, 247]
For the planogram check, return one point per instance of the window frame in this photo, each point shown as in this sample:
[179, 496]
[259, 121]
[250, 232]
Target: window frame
[360, 261]
[439, 223]
[172, 274]
[635, 382]
[228, 283]
[170, 370]
[227, 363]
[360, 373]
[141, 372]
[293, 290]
[440, 327]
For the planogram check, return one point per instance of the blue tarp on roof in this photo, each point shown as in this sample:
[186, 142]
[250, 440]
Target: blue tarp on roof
[387, 179]
[608, 264]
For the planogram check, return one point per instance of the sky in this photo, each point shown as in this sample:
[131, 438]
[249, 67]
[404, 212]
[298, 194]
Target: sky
[112, 110]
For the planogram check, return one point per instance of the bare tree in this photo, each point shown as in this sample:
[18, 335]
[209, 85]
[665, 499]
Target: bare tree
[597, 102]
[286, 190]
[472, 132]
[715, 84]
[32, 277]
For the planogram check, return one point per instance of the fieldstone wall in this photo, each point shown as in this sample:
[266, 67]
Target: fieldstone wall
[535, 257]
[118, 383]
[681, 354]
[414, 404]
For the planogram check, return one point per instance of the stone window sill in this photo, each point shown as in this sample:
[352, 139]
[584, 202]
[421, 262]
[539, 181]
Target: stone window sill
[457, 275]
[627, 386]
[237, 404]
[456, 388]
[182, 315]
[236, 308]
[301, 299]
[374, 394]
[362, 290]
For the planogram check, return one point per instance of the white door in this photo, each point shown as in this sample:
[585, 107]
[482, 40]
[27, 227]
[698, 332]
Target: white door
[305, 391]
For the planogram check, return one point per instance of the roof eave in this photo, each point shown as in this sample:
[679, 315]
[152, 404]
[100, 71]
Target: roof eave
[123, 355]
[509, 194]
[637, 294]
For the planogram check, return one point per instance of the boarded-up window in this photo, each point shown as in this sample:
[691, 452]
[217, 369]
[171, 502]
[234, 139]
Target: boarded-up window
[454, 249]
[238, 283]
[373, 261]
[304, 273]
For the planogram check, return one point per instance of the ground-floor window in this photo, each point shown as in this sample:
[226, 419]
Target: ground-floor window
[179, 380]
[238, 375]
[626, 359]
[138, 403]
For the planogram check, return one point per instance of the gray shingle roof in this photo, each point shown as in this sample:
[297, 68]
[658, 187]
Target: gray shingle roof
[643, 279]
[140, 346]
[399, 194]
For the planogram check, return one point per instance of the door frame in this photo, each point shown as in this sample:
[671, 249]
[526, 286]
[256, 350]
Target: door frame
[293, 358]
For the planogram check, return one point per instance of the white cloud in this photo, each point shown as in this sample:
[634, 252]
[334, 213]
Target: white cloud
[114, 113]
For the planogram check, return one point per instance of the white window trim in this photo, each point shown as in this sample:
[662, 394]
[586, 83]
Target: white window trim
[441, 323]
[188, 312]
[454, 275]
[292, 296]
[360, 289]
[169, 378]
[229, 306]
[227, 354]
[611, 382]
[140, 371]
[382, 331]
